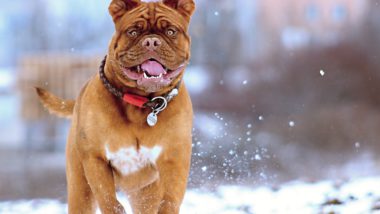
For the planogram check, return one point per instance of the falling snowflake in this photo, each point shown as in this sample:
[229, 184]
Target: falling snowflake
[263, 175]
[357, 145]
[292, 123]
[322, 72]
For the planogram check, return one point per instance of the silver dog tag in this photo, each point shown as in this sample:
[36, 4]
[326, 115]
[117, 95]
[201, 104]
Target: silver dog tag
[152, 119]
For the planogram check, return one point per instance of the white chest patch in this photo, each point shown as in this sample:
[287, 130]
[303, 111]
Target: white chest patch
[129, 160]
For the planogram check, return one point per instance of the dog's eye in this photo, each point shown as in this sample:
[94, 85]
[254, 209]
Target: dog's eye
[133, 33]
[171, 32]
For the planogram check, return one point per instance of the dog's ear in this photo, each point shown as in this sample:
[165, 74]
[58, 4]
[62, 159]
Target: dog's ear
[185, 7]
[118, 8]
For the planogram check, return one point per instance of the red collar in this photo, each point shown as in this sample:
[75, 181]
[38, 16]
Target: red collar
[135, 100]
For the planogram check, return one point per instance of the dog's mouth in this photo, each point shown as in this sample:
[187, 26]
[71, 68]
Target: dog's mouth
[151, 75]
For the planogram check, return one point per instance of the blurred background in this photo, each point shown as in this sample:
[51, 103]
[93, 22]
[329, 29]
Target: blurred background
[282, 90]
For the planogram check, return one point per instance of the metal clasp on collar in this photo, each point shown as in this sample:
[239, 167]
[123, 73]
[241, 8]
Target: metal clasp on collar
[172, 94]
[152, 117]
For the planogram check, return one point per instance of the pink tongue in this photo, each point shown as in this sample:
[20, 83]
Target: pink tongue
[153, 68]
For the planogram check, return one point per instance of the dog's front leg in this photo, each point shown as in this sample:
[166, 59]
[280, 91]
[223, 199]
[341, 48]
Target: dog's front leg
[174, 170]
[100, 178]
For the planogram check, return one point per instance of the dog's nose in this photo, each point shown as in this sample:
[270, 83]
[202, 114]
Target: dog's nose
[151, 43]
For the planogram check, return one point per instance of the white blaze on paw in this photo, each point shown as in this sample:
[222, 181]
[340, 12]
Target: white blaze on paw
[130, 160]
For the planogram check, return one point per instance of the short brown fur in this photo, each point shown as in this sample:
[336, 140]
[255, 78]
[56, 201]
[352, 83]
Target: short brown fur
[100, 120]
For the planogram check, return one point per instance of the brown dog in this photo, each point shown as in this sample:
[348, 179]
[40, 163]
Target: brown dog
[115, 140]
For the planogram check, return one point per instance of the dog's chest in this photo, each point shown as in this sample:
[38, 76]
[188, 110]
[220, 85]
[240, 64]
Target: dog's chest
[129, 160]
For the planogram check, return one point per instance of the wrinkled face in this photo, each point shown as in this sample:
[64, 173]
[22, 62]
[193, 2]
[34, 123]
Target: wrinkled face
[150, 48]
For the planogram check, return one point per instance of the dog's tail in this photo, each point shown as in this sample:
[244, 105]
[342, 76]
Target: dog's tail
[56, 105]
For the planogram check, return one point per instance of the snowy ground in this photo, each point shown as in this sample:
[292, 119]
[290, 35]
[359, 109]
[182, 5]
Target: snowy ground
[360, 196]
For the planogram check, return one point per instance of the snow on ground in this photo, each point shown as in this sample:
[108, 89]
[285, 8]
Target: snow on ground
[360, 196]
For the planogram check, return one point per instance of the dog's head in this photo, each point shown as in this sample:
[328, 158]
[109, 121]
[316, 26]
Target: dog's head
[151, 46]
